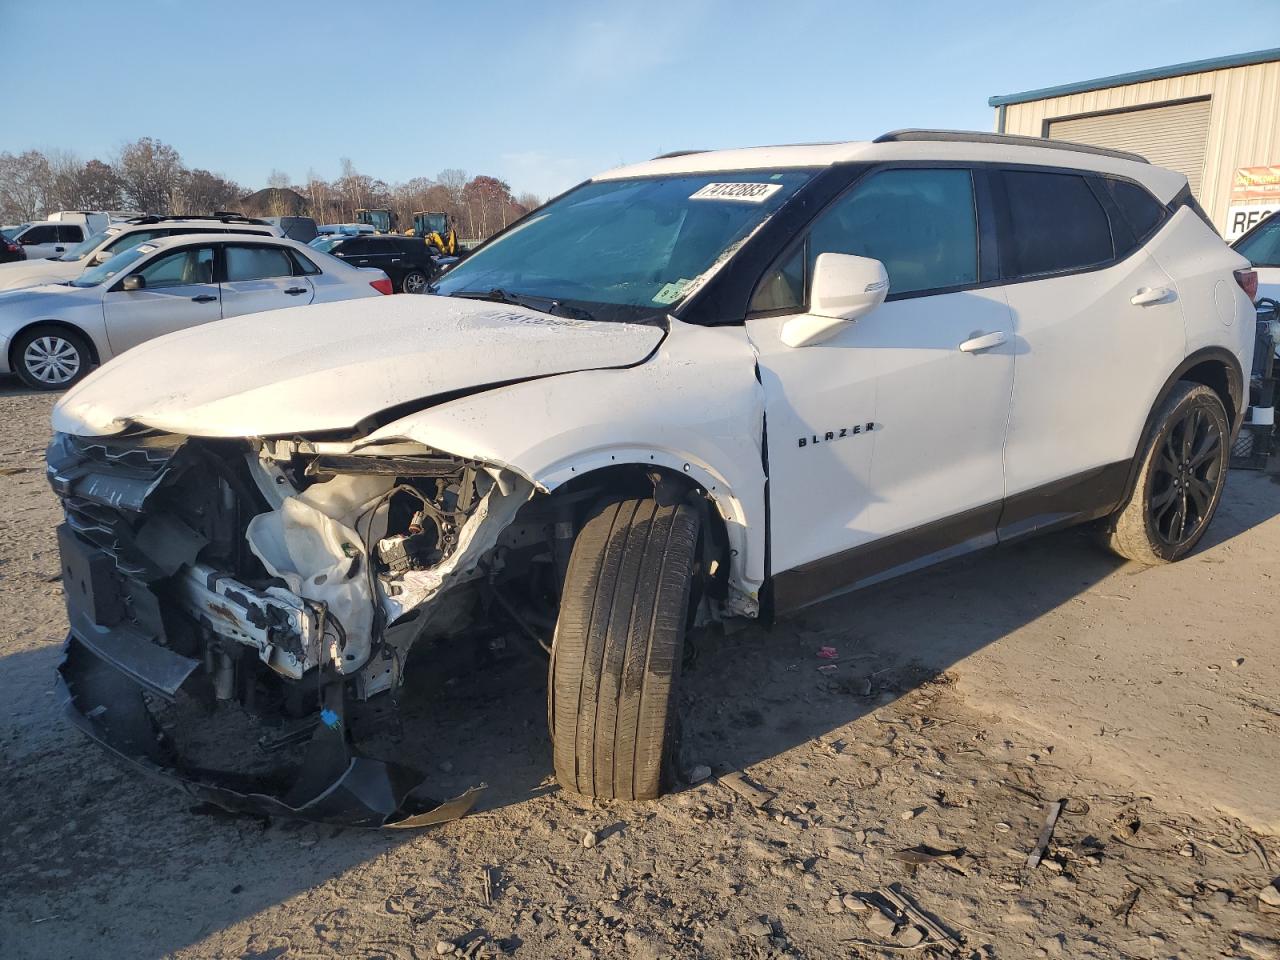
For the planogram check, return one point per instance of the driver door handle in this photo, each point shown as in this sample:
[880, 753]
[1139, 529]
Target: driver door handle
[204, 298]
[983, 341]
[294, 291]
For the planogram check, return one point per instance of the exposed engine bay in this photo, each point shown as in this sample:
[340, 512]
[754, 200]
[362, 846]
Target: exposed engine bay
[288, 578]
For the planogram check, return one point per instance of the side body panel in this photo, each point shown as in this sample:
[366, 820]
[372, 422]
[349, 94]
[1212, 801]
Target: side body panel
[1090, 364]
[1216, 311]
[134, 316]
[886, 426]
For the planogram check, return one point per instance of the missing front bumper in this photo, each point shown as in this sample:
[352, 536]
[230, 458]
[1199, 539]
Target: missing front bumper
[335, 785]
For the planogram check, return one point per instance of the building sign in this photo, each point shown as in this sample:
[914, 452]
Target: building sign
[1255, 193]
[1256, 183]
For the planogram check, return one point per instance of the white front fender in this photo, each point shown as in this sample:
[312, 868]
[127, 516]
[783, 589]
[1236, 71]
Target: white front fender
[695, 408]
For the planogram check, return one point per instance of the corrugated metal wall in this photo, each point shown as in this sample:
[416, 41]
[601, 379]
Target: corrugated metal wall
[1173, 135]
[1243, 129]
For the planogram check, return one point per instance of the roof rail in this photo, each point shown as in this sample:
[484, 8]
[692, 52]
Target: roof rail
[221, 216]
[970, 136]
[677, 153]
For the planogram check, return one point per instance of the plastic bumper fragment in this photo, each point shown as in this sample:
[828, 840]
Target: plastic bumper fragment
[336, 785]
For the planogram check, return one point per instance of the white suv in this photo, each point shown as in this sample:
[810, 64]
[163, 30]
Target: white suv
[712, 385]
[73, 260]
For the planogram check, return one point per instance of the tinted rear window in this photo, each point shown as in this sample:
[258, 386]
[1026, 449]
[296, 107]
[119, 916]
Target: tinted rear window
[1057, 222]
[1142, 211]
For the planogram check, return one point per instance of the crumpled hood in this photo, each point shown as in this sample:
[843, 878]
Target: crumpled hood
[329, 366]
[31, 273]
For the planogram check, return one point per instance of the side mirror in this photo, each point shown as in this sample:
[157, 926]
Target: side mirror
[844, 288]
[133, 282]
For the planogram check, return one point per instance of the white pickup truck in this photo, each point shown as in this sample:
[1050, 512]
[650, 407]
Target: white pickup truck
[59, 233]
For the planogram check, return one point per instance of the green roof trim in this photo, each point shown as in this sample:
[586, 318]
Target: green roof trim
[1139, 76]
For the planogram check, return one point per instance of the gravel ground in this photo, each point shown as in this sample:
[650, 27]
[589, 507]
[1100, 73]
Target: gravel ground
[962, 703]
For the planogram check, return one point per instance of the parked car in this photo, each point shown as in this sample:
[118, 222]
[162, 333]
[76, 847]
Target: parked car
[47, 238]
[406, 260]
[102, 246]
[51, 335]
[715, 385]
[10, 250]
[1261, 245]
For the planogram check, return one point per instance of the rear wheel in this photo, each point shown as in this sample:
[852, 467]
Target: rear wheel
[1184, 467]
[413, 282]
[50, 358]
[615, 666]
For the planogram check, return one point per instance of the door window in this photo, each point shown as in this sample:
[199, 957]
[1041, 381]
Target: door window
[921, 224]
[70, 233]
[45, 233]
[257, 263]
[180, 268]
[302, 266]
[1057, 224]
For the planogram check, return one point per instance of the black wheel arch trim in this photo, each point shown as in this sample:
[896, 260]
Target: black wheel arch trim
[1235, 388]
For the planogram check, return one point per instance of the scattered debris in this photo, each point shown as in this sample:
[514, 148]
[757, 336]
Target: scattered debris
[828, 653]
[590, 839]
[1269, 897]
[1260, 948]
[923, 853]
[756, 795]
[881, 924]
[1125, 907]
[698, 773]
[1052, 810]
[917, 916]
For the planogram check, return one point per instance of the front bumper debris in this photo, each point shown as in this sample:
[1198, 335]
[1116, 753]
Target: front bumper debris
[336, 785]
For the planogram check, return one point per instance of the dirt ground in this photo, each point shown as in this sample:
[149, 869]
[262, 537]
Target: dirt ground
[919, 762]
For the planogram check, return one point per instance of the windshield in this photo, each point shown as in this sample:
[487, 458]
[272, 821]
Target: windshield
[639, 244]
[105, 271]
[86, 247]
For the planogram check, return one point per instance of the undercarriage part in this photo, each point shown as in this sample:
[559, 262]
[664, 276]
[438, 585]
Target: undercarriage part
[336, 785]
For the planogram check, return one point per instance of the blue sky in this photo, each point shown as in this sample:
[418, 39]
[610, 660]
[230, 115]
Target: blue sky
[544, 93]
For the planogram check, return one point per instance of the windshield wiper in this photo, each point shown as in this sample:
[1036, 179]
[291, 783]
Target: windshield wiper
[554, 307]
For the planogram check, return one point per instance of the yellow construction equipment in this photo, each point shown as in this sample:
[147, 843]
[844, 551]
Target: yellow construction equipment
[382, 220]
[436, 229]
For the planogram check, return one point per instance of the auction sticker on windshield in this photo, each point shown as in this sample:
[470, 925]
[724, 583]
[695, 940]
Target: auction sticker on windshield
[743, 192]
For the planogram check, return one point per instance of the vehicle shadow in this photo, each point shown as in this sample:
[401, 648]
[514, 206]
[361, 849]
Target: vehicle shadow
[85, 841]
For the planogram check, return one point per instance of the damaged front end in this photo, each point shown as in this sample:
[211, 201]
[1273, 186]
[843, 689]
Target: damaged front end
[284, 580]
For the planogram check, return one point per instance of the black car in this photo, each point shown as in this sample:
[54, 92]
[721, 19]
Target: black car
[406, 260]
[10, 249]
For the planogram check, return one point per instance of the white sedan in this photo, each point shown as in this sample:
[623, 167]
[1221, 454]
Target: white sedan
[51, 335]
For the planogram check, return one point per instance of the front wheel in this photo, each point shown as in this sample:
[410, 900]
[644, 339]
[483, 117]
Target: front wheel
[50, 358]
[1183, 469]
[413, 282]
[615, 665]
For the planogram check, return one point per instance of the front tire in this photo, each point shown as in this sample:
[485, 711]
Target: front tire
[615, 666]
[413, 282]
[50, 358]
[1179, 486]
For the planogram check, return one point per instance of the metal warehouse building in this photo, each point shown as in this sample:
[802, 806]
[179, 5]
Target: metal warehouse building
[1217, 121]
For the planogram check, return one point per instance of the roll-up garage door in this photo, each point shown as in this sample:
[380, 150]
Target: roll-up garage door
[1173, 135]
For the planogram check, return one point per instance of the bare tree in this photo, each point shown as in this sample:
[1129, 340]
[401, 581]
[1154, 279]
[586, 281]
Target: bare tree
[206, 192]
[150, 172]
[24, 185]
